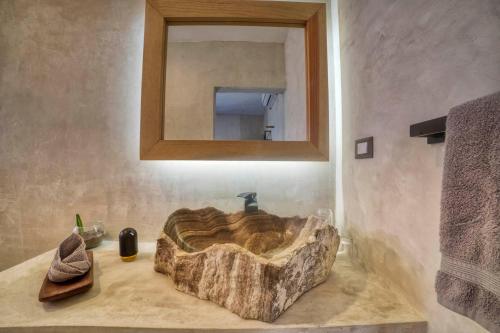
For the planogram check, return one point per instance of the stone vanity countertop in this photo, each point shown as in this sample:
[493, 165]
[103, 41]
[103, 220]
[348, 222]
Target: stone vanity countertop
[132, 297]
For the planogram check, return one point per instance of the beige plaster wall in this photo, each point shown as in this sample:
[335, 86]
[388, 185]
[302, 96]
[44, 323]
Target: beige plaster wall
[404, 62]
[244, 127]
[70, 85]
[195, 69]
[295, 94]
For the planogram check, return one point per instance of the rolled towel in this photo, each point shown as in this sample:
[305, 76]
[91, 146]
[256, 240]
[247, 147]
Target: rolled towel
[70, 261]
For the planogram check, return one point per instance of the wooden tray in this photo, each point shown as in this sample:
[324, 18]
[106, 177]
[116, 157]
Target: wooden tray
[51, 291]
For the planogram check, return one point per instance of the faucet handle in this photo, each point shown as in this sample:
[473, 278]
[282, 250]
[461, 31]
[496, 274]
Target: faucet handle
[250, 201]
[247, 195]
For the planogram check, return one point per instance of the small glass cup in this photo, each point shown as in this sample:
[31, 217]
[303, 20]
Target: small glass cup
[326, 215]
[92, 235]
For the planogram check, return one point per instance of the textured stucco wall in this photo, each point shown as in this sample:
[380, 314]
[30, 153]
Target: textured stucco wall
[295, 94]
[70, 84]
[194, 70]
[238, 127]
[404, 62]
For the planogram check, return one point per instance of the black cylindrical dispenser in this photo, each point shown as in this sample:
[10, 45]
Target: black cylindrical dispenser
[128, 244]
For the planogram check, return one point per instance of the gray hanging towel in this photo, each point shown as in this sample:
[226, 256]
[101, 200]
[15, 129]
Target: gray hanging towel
[468, 281]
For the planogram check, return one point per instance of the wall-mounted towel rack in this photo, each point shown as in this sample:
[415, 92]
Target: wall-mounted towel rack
[434, 130]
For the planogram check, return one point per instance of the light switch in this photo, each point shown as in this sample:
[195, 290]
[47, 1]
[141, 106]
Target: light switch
[364, 148]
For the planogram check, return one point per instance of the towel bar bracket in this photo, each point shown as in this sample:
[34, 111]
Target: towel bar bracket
[434, 130]
[436, 138]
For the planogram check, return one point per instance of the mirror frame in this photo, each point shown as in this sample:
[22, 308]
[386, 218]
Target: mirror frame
[160, 13]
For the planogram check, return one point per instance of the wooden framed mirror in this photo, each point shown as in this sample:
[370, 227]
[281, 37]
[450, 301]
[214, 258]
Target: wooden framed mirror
[159, 116]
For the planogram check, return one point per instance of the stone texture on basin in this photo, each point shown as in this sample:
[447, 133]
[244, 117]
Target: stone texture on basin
[255, 265]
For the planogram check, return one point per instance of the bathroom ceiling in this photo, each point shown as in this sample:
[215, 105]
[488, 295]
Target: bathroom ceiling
[240, 103]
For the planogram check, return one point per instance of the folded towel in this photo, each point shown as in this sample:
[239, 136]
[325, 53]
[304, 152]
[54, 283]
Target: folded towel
[468, 281]
[70, 260]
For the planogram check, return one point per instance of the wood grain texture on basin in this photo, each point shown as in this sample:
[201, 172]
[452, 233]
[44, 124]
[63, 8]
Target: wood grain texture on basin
[256, 265]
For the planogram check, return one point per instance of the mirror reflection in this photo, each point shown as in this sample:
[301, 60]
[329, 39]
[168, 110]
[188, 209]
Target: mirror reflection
[235, 83]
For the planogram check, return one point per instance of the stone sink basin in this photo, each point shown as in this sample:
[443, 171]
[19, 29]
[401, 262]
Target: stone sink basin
[256, 265]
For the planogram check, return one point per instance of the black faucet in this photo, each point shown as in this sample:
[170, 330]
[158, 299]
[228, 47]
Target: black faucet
[250, 201]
